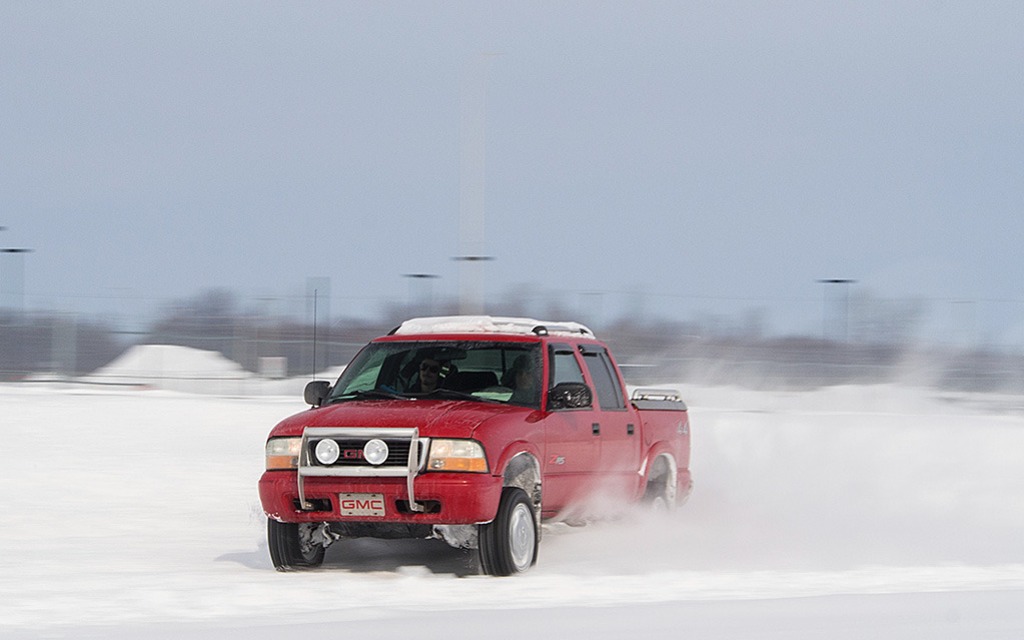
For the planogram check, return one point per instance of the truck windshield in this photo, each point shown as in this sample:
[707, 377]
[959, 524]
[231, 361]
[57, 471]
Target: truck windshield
[507, 372]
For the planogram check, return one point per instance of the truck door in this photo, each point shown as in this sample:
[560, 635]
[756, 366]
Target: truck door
[618, 425]
[572, 451]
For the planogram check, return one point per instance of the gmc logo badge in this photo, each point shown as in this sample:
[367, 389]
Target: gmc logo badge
[352, 504]
[361, 504]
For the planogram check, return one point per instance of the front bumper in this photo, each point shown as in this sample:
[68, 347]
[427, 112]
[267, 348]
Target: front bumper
[447, 498]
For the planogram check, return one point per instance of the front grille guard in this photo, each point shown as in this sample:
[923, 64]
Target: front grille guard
[417, 459]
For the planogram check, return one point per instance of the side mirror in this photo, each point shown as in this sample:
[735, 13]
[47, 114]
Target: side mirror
[316, 391]
[570, 395]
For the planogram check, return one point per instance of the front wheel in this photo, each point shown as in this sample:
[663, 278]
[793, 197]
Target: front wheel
[293, 546]
[508, 544]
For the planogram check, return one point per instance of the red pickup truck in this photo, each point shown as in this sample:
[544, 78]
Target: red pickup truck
[473, 430]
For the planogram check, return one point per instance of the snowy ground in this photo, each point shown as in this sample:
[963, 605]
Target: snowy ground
[852, 512]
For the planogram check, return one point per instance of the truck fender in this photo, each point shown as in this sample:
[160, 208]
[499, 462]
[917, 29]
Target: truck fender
[659, 462]
[522, 469]
[660, 451]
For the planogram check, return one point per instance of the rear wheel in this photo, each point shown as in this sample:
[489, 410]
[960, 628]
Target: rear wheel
[660, 493]
[508, 545]
[294, 546]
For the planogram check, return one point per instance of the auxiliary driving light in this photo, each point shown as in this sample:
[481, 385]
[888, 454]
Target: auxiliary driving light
[327, 451]
[375, 452]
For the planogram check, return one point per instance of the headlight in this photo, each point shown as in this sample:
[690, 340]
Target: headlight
[283, 453]
[457, 455]
[327, 451]
[375, 452]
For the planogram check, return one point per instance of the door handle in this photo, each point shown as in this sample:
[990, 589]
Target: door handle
[596, 428]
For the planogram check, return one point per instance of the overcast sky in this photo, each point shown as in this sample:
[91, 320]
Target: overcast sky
[713, 156]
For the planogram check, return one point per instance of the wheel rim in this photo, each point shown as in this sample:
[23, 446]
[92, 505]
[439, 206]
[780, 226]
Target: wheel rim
[522, 537]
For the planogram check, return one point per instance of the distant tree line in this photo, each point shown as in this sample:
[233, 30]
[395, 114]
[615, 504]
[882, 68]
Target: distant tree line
[651, 351]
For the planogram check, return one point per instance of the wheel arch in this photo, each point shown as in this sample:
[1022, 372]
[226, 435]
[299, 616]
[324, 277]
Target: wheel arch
[660, 461]
[522, 470]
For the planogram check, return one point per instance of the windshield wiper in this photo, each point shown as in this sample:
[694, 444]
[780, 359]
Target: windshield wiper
[459, 395]
[379, 394]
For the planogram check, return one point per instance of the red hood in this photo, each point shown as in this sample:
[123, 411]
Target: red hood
[434, 418]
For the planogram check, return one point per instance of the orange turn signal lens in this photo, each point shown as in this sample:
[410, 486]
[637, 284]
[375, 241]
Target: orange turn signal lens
[283, 453]
[464, 456]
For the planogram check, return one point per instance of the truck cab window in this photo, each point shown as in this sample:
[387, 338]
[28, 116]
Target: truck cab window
[602, 372]
[564, 367]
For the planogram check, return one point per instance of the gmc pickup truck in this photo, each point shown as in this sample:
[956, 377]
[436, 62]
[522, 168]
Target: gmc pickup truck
[473, 430]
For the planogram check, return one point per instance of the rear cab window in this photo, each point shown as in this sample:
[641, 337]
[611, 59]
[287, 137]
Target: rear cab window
[602, 373]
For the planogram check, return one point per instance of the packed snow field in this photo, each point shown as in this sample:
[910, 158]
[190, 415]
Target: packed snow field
[847, 512]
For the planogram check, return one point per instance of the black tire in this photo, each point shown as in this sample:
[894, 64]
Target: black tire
[508, 545]
[292, 547]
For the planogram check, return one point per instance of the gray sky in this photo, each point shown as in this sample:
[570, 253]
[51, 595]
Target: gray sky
[714, 156]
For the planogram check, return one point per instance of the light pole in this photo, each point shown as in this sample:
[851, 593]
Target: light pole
[845, 316]
[471, 284]
[472, 174]
[427, 299]
[15, 288]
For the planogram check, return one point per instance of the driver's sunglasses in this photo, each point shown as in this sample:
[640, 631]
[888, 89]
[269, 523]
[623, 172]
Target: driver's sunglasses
[432, 368]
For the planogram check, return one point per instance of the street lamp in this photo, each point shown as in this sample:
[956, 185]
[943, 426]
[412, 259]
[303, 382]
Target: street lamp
[16, 292]
[471, 284]
[846, 305]
[428, 298]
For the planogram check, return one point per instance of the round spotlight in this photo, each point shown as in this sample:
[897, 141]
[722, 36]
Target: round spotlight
[327, 451]
[375, 452]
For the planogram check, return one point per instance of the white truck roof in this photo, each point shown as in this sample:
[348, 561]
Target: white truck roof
[490, 324]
